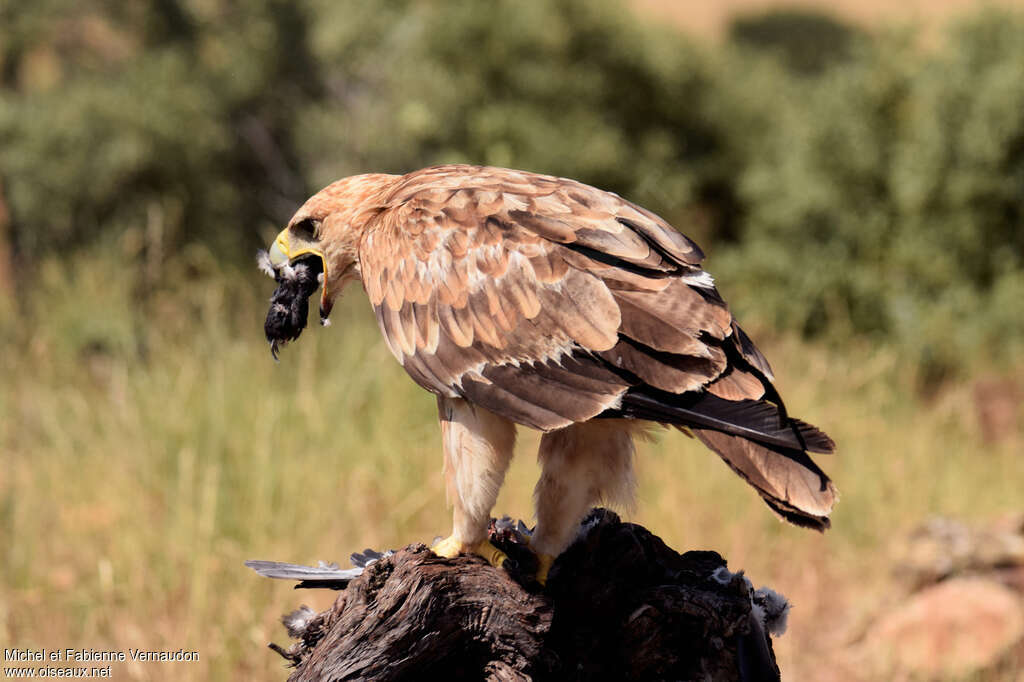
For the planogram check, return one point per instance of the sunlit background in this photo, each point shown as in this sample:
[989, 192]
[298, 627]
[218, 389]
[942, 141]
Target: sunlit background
[854, 170]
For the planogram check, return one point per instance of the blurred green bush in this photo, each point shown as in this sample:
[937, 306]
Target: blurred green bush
[848, 184]
[886, 198]
[806, 40]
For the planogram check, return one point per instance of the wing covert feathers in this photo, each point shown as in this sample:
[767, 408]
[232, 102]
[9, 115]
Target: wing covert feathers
[550, 302]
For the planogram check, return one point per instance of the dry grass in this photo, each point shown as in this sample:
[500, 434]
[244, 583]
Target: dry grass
[149, 450]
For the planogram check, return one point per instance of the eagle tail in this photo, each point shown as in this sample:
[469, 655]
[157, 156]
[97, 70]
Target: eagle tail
[789, 482]
[760, 420]
[758, 440]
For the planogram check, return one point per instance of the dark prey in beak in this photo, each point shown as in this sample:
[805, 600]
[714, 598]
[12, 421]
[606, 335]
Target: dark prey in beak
[289, 306]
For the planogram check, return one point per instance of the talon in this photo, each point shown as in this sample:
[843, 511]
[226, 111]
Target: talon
[450, 548]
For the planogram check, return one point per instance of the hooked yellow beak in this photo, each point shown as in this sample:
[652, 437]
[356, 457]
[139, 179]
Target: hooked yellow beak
[287, 247]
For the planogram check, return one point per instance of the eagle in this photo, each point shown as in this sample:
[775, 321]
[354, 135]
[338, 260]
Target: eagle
[521, 299]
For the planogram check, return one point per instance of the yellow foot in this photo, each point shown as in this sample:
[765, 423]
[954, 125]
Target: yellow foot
[544, 562]
[450, 548]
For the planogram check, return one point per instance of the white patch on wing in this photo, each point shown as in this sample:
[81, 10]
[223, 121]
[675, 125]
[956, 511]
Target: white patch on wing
[701, 279]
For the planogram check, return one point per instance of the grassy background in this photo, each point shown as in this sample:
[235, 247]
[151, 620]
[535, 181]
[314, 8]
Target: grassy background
[138, 483]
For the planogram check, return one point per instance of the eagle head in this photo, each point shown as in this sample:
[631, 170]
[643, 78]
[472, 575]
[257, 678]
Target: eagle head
[320, 246]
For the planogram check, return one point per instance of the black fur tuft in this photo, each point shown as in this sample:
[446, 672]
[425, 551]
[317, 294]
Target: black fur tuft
[289, 305]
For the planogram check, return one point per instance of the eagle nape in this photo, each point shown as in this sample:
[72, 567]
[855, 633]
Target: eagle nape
[289, 304]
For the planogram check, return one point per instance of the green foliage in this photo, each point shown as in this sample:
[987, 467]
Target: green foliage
[117, 116]
[887, 198]
[807, 41]
[215, 118]
[616, 101]
[880, 197]
[569, 87]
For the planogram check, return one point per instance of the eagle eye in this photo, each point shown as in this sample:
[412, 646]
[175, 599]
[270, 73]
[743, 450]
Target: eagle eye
[307, 229]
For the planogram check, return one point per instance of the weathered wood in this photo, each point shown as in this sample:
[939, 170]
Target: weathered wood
[619, 605]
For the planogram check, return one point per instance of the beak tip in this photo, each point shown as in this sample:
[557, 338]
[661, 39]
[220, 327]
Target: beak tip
[278, 256]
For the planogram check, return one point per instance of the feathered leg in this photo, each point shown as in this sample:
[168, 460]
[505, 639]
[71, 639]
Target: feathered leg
[478, 447]
[581, 465]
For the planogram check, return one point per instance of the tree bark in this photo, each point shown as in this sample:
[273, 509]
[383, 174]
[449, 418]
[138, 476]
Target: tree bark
[619, 605]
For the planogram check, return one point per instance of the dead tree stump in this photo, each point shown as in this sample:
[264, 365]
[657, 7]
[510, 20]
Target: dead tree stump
[619, 605]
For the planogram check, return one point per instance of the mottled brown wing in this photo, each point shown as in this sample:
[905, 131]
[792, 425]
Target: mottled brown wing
[468, 299]
[510, 289]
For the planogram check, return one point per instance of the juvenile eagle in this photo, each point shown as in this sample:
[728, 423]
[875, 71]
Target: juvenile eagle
[519, 298]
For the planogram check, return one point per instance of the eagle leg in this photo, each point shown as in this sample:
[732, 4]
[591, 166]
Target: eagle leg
[581, 465]
[478, 447]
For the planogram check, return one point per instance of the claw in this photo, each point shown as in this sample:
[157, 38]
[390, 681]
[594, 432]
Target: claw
[450, 548]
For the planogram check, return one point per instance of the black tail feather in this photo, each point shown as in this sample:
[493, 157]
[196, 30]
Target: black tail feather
[758, 420]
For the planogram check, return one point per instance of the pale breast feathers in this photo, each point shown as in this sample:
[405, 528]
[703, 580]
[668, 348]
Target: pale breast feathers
[539, 298]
